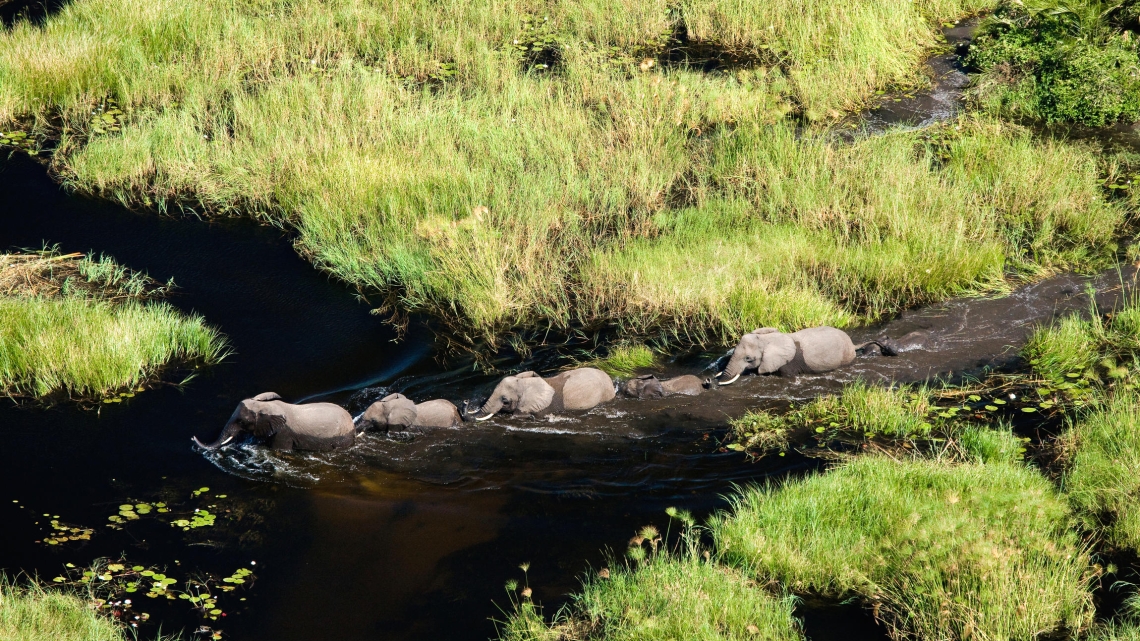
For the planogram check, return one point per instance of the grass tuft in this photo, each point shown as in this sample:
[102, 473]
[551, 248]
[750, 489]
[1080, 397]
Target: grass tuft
[949, 551]
[31, 613]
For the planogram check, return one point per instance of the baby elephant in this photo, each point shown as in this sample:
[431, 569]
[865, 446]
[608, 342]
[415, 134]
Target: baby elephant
[812, 350]
[528, 393]
[649, 386]
[313, 426]
[397, 412]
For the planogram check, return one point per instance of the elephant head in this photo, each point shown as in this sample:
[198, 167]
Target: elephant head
[764, 350]
[391, 411]
[644, 386]
[526, 393]
[258, 415]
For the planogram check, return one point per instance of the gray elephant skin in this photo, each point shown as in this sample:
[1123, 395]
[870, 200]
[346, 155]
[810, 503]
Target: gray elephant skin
[312, 426]
[813, 350]
[397, 412]
[529, 393]
[649, 386]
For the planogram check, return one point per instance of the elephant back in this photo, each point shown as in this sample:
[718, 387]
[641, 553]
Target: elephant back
[687, 385]
[585, 387]
[437, 413]
[320, 421]
[824, 348]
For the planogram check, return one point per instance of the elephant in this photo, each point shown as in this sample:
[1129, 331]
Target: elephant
[917, 339]
[528, 393]
[649, 386]
[812, 350]
[400, 412]
[312, 426]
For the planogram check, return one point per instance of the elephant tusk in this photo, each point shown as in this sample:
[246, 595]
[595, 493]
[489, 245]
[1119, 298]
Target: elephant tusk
[731, 381]
[484, 418]
[226, 441]
[719, 374]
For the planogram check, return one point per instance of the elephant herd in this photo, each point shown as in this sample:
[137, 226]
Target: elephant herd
[327, 426]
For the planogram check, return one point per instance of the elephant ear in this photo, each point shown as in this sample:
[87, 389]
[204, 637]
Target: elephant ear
[267, 425]
[401, 412]
[266, 396]
[778, 351]
[765, 330]
[393, 397]
[527, 374]
[535, 395]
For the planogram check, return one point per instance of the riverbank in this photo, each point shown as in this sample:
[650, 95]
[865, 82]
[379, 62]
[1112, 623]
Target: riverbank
[415, 159]
[89, 329]
[30, 612]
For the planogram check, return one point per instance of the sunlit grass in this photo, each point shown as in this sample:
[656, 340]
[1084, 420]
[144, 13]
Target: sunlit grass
[31, 613]
[1088, 345]
[665, 598]
[1102, 456]
[948, 550]
[412, 150]
[625, 359]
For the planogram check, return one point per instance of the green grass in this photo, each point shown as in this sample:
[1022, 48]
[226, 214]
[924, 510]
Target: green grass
[1050, 61]
[411, 149]
[87, 329]
[948, 551]
[671, 598]
[31, 613]
[1102, 456]
[868, 410]
[1089, 346]
[1115, 631]
[625, 359]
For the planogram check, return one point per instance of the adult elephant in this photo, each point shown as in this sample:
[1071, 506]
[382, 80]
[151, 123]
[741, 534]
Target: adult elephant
[649, 386]
[313, 426]
[529, 393]
[400, 412]
[812, 350]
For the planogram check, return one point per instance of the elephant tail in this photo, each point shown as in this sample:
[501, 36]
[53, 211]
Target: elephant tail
[886, 346]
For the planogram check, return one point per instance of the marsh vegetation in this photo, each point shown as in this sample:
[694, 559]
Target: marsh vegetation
[90, 329]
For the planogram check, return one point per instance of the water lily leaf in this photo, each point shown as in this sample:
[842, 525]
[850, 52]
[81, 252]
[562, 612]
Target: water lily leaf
[975, 397]
[1029, 410]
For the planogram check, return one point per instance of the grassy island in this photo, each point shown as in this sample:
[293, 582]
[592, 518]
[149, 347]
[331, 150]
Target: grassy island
[32, 613]
[84, 326]
[657, 167]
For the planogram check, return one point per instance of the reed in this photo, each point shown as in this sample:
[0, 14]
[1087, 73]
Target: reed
[31, 613]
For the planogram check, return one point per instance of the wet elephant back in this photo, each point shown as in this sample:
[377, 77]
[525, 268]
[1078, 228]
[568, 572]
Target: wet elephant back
[321, 421]
[584, 388]
[437, 413]
[824, 348]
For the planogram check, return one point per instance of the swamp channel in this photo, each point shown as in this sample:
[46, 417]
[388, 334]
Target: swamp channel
[393, 540]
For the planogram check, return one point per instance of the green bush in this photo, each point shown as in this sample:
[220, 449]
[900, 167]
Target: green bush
[949, 551]
[1053, 62]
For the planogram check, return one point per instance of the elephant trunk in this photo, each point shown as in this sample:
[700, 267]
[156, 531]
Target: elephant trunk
[490, 408]
[732, 371]
[229, 433]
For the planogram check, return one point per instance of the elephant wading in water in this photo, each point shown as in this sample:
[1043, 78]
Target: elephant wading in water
[529, 393]
[649, 386]
[313, 426]
[397, 412]
[812, 350]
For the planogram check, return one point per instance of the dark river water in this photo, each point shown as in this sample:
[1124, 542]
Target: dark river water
[393, 540]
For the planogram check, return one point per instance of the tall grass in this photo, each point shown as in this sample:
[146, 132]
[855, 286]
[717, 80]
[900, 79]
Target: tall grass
[90, 348]
[1090, 346]
[947, 551]
[1102, 454]
[418, 152]
[31, 613]
[665, 598]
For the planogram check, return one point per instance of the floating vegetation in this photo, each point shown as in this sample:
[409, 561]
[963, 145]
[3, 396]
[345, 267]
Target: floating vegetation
[64, 533]
[113, 585]
[18, 139]
[187, 518]
[107, 117]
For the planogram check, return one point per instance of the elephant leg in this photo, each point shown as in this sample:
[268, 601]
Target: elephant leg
[282, 441]
[796, 366]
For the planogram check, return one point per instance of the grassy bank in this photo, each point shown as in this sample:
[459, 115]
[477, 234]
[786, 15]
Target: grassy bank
[84, 327]
[1049, 61]
[31, 613]
[948, 551]
[414, 154]
[665, 598]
